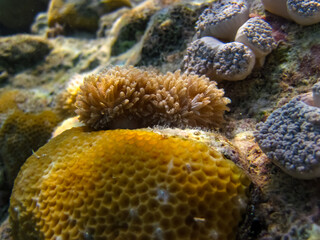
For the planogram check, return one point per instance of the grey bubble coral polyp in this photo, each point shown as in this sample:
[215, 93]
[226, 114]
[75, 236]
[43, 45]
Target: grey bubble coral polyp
[277, 7]
[219, 61]
[304, 12]
[233, 61]
[291, 138]
[257, 35]
[222, 20]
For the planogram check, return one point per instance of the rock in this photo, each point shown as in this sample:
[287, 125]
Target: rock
[22, 51]
[80, 14]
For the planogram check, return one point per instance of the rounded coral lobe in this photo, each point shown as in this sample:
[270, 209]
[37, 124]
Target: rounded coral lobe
[305, 8]
[233, 61]
[199, 57]
[222, 20]
[291, 138]
[128, 97]
[259, 34]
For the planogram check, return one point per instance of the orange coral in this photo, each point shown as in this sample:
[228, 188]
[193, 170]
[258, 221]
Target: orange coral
[128, 97]
[127, 184]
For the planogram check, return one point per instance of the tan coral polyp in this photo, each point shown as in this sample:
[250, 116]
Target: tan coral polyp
[128, 97]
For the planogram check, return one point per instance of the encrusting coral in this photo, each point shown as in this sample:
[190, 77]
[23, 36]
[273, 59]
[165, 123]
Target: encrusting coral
[219, 61]
[128, 97]
[291, 137]
[128, 184]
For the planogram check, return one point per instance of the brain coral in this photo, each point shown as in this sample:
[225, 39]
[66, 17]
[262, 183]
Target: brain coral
[127, 184]
[128, 97]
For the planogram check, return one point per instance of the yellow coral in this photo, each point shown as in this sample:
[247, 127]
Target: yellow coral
[128, 97]
[127, 184]
[20, 134]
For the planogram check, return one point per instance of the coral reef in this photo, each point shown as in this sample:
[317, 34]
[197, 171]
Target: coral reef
[81, 15]
[128, 97]
[157, 33]
[290, 138]
[126, 184]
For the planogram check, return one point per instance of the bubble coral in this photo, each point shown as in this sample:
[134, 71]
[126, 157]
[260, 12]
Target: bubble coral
[127, 184]
[128, 97]
[305, 12]
[257, 35]
[219, 61]
[222, 20]
[278, 7]
[291, 138]
[20, 134]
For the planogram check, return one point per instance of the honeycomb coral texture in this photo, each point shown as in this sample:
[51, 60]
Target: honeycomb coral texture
[128, 97]
[127, 184]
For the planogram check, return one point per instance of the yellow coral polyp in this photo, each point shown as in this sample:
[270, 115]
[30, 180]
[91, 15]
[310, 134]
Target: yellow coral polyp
[127, 184]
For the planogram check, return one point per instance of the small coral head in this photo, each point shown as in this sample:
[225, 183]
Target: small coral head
[233, 61]
[128, 97]
[257, 35]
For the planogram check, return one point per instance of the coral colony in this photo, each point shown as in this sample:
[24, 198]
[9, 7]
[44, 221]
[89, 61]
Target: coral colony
[231, 61]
